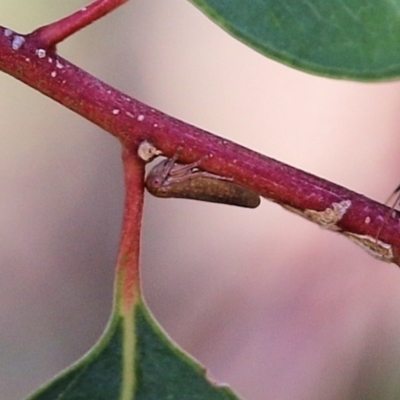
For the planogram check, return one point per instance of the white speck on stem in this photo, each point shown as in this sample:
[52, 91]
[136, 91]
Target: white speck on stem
[53, 74]
[41, 53]
[27, 59]
[367, 220]
[155, 125]
[7, 32]
[342, 207]
[140, 117]
[129, 114]
[17, 42]
[146, 151]
[116, 111]
[59, 65]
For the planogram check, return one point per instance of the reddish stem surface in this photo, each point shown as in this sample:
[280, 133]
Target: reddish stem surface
[32, 59]
[49, 35]
[129, 252]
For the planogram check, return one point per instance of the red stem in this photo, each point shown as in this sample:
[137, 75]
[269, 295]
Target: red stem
[132, 122]
[128, 258]
[56, 32]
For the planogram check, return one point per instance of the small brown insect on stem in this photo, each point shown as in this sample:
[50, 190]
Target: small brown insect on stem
[187, 181]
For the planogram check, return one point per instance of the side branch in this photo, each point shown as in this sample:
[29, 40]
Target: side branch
[133, 122]
[128, 257]
[49, 36]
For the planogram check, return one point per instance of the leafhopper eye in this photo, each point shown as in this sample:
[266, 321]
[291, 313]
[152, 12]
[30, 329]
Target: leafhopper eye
[173, 180]
[157, 177]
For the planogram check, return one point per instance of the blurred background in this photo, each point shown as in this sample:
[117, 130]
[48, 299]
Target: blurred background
[267, 301]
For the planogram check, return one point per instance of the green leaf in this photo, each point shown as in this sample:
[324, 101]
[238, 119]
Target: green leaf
[160, 370]
[343, 39]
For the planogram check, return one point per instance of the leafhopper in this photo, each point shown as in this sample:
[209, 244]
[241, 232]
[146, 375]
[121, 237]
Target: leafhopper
[186, 181]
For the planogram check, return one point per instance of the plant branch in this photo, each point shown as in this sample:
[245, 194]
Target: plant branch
[33, 60]
[129, 251]
[50, 35]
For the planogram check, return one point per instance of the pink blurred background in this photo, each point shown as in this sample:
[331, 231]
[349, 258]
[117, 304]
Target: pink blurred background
[267, 301]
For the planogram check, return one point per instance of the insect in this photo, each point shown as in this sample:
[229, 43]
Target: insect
[395, 203]
[187, 181]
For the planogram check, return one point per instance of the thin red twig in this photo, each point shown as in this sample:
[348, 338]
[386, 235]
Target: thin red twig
[128, 258]
[50, 35]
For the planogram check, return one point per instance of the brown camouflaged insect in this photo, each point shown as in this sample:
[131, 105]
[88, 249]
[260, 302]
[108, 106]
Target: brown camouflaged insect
[187, 181]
